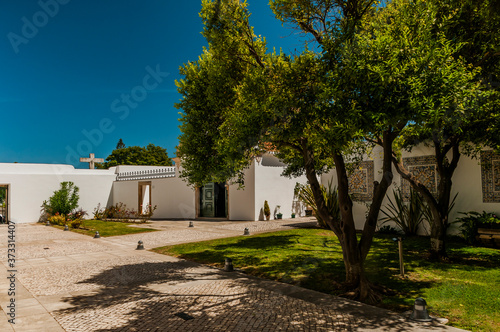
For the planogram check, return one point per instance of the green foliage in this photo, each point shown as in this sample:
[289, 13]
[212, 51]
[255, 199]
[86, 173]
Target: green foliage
[455, 106]
[64, 200]
[267, 210]
[150, 155]
[57, 219]
[145, 216]
[387, 229]
[120, 144]
[428, 212]
[3, 194]
[472, 221]
[209, 94]
[77, 214]
[120, 213]
[408, 216]
[476, 26]
[75, 223]
[330, 196]
[379, 72]
[98, 213]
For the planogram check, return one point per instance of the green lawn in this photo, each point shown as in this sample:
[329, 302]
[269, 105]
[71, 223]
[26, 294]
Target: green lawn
[466, 290]
[107, 228]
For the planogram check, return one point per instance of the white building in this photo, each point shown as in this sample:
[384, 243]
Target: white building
[477, 183]
[28, 185]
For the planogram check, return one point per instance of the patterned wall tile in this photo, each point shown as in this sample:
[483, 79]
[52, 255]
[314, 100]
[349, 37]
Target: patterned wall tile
[361, 181]
[490, 176]
[424, 169]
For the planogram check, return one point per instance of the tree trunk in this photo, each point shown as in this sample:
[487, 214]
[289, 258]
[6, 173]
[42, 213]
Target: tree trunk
[440, 215]
[344, 229]
[379, 191]
[348, 238]
[440, 206]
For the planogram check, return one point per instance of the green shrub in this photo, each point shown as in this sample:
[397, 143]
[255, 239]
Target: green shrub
[75, 223]
[406, 215]
[389, 230]
[330, 195]
[44, 214]
[98, 213]
[267, 210]
[428, 213]
[64, 200]
[77, 214]
[119, 212]
[57, 219]
[145, 216]
[473, 220]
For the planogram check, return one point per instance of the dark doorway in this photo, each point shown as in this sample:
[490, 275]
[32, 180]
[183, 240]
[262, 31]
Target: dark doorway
[213, 200]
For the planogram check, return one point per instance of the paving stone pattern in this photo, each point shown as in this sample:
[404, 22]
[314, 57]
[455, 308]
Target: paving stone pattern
[225, 305]
[86, 284]
[262, 226]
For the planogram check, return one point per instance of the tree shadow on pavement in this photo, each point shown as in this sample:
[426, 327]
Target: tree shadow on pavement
[185, 296]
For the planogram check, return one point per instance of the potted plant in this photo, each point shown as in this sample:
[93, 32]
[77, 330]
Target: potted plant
[279, 215]
[267, 210]
[293, 215]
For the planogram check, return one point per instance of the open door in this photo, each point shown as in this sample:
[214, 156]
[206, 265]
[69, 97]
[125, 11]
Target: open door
[144, 197]
[207, 200]
[213, 200]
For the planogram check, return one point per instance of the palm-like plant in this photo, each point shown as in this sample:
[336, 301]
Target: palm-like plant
[305, 195]
[406, 215]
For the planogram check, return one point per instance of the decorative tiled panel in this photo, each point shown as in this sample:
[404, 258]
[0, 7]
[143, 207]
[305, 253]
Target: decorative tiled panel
[424, 169]
[490, 176]
[361, 181]
[496, 175]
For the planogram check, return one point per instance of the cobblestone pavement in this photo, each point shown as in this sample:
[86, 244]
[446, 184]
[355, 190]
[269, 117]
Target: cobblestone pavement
[72, 282]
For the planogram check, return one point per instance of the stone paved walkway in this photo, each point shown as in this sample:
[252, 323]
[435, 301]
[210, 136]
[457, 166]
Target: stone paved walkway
[72, 282]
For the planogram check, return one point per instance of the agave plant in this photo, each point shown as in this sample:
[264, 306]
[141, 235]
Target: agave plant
[428, 213]
[406, 215]
[305, 195]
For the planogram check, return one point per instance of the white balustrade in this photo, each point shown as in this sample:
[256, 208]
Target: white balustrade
[158, 173]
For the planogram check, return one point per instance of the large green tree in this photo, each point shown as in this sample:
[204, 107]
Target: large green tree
[363, 83]
[382, 78]
[151, 155]
[444, 52]
[459, 104]
[277, 99]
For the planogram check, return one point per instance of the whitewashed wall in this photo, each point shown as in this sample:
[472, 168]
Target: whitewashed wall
[172, 196]
[242, 201]
[276, 189]
[31, 184]
[466, 182]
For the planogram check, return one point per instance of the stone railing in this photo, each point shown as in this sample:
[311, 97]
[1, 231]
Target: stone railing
[157, 173]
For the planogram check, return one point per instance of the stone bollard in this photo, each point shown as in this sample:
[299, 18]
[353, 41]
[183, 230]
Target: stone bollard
[246, 231]
[66, 228]
[420, 313]
[191, 224]
[228, 265]
[140, 245]
[96, 236]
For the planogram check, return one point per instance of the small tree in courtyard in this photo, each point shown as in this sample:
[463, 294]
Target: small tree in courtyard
[64, 200]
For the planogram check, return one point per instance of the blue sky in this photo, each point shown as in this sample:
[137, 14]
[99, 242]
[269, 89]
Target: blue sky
[77, 75]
